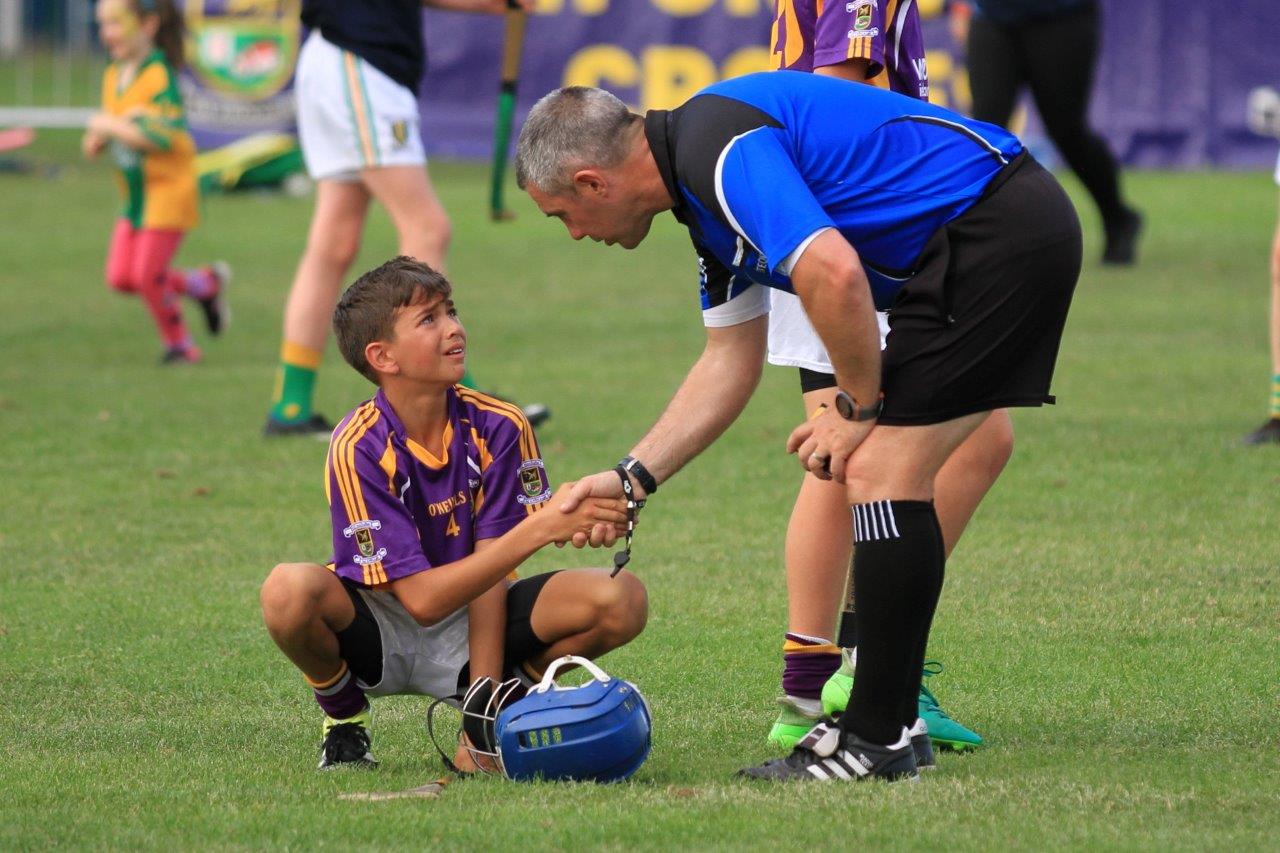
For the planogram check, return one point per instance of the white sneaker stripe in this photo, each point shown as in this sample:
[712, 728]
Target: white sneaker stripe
[836, 768]
[817, 771]
[848, 759]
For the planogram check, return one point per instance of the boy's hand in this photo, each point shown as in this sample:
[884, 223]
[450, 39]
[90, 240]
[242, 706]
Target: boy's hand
[607, 515]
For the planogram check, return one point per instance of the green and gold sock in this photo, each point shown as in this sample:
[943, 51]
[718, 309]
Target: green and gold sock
[1275, 397]
[295, 383]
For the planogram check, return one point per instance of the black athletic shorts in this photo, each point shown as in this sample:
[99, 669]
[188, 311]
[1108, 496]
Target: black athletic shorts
[979, 324]
[360, 643]
[815, 380]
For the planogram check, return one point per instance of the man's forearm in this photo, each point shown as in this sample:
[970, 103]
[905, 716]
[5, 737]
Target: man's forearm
[833, 288]
[711, 397]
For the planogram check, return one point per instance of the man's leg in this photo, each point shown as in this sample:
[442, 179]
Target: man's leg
[1059, 56]
[332, 244]
[307, 610]
[995, 71]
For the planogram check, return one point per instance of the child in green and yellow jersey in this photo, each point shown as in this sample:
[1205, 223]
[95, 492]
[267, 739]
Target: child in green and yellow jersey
[143, 125]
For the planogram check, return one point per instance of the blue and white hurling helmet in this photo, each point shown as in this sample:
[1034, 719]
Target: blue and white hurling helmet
[599, 731]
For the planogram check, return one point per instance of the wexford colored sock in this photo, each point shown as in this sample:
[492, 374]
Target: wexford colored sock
[295, 383]
[1275, 396]
[898, 568]
[339, 696]
[807, 663]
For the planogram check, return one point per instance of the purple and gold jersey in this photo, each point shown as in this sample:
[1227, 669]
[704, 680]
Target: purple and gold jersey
[809, 34]
[398, 510]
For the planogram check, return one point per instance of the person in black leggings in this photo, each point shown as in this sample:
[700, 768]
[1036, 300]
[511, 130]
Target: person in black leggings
[1050, 46]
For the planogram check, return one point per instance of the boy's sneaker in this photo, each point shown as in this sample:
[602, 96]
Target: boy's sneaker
[187, 354]
[794, 721]
[945, 732]
[217, 314]
[826, 753]
[1268, 433]
[346, 742]
[922, 744]
[316, 426]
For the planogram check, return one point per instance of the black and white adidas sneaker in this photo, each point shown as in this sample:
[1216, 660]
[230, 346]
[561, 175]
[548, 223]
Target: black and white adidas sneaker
[826, 753]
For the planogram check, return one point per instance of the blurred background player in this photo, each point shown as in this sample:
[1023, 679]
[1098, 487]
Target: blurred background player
[435, 494]
[878, 43]
[357, 90]
[143, 124]
[1264, 118]
[1050, 46]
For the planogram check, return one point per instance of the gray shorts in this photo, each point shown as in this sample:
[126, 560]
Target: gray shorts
[416, 659]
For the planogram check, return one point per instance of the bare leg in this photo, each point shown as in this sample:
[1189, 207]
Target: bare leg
[970, 472]
[585, 612]
[415, 210]
[304, 607]
[332, 244]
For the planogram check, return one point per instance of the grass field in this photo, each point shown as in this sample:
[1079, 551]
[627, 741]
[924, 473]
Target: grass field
[1109, 621]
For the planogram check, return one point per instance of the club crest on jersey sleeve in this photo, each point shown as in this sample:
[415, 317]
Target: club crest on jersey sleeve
[533, 483]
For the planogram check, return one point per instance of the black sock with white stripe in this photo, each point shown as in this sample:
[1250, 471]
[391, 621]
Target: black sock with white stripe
[897, 568]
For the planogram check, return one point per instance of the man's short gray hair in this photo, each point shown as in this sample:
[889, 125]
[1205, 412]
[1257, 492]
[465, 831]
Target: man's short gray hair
[573, 128]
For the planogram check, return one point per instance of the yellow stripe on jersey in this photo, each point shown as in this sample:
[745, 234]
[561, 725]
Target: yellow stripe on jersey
[486, 459]
[343, 472]
[388, 464]
[528, 444]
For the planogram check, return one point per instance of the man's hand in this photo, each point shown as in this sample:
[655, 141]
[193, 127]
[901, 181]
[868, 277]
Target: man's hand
[605, 485]
[581, 516]
[825, 444]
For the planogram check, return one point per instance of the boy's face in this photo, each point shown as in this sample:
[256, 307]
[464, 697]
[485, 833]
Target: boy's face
[428, 343]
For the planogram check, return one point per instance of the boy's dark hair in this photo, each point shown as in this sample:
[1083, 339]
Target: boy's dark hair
[169, 33]
[366, 312]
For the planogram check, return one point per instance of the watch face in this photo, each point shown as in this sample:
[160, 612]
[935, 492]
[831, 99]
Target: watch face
[844, 405]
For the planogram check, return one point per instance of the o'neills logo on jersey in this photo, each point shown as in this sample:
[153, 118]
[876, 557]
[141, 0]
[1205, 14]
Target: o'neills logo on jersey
[447, 505]
[363, 533]
[533, 483]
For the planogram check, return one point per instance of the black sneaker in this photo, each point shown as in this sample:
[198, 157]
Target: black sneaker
[180, 355]
[537, 414]
[315, 426]
[826, 753]
[1122, 238]
[922, 745]
[1268, 433]
[346, 745]
[217, 314]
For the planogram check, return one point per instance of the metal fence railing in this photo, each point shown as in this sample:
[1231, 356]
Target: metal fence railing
[50, 63]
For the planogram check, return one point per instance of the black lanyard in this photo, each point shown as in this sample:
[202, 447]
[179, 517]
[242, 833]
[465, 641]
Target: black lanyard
[634, 506]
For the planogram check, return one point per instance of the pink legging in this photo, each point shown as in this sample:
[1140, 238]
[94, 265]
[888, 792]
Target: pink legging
[138, 262]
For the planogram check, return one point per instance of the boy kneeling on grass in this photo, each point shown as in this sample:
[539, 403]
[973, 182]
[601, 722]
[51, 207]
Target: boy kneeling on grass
[435, 494]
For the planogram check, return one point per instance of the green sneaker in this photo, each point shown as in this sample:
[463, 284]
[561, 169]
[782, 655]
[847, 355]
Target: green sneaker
[945, 732]
[794, 721]
[835, 693]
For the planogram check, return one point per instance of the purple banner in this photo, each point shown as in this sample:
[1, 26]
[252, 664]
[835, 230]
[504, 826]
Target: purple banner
[1171, 83]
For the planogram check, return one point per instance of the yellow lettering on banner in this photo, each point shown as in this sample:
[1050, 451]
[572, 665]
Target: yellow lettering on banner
[941, 69]
[743, 8]
[602, 65]
[673, 74]
[581, 7]
[748, 60]
[683, 9]
[929, 8]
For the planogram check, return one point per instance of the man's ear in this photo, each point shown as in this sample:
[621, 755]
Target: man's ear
[380, 357]
[590, 182]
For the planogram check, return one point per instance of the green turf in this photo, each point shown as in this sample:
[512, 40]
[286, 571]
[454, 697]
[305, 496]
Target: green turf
[1109, 622]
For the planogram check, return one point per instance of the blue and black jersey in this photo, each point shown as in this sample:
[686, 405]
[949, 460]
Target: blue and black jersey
[760, 164]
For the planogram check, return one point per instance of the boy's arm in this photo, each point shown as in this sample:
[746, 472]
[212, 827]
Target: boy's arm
[487, 617]
[431, 595]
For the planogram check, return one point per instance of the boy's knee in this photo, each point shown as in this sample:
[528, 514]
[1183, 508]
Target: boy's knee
[290, 587]
[622, 607]
[337, 249]
[119, 282]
